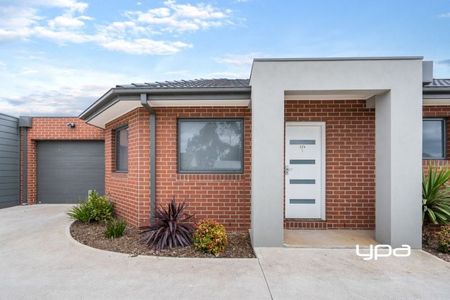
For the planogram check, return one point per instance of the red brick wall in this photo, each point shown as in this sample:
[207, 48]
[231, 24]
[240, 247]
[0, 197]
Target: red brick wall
[130, 191]
[350, 162]
[54, 129]
[350, 179]
[350, 194]
[224, 197]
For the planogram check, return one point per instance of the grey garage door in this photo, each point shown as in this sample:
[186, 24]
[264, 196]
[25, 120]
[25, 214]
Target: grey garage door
[9, 161]
[67, 170]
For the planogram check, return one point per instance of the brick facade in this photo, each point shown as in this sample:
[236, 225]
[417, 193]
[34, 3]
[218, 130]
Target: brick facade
[350, 133]
[130, 191]
[350, 162]
[224, 197]
[44, 129]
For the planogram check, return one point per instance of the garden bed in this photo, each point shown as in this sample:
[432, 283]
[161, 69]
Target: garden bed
[93, 235]
[430, 244]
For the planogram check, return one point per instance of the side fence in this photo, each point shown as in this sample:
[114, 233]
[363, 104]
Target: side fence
[9, 161]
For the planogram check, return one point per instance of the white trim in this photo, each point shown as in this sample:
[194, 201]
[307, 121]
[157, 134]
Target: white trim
[323, 158]
[435, 102]
[329, 97]
[113, 112]
[127, 104]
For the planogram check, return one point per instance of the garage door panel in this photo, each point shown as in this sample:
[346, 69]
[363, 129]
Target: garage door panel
[67, 170]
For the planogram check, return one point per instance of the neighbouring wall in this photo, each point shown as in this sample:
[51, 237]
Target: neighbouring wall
[350, 162]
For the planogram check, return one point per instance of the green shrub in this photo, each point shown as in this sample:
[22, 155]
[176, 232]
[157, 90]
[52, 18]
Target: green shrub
[210, 237]
[443, 239]
[115, 228]
[81, 213]
[101, 209]
[96, 208]
[436, 196]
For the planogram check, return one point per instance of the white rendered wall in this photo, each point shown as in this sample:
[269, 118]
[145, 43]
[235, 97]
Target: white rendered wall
[398, 135]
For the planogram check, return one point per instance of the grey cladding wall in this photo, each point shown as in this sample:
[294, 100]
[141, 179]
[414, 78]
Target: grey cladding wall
[9, 161]
[68, 169]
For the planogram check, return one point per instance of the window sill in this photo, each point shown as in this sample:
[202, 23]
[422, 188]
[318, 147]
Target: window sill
[428, 158]
[210, 176]
[119, 174]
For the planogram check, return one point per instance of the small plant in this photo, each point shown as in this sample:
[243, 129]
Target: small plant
[115, 228]
[443, 239]
[101, 209]
[210, 237]
[96, 208]
[436, 196]
[81, 213]
[172, 228]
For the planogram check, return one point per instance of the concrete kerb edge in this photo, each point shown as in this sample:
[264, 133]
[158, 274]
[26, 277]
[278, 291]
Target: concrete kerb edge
[434, 256]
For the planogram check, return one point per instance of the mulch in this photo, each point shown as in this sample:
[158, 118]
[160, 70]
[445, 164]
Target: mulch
[430, 244]
[93, 235]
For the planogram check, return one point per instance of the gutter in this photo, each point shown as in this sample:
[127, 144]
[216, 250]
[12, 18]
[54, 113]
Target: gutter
[117, 92]
[152, 124]
[431, 90]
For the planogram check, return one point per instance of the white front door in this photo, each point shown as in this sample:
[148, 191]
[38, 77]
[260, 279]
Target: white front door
[305, 170]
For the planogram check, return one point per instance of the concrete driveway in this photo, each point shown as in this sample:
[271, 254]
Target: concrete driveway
[39, 260]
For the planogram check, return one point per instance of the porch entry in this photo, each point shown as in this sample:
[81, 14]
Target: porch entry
[305, 170]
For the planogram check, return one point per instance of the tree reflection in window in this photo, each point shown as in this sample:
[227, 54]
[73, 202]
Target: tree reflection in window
[210, 145]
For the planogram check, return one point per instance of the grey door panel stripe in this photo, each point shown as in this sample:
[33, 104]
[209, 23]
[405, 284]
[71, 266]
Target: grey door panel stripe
[302, 181]
[302, 161]
[302, 142]
[302, 201]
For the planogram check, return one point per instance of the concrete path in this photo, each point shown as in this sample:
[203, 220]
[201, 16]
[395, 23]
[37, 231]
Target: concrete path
[39, 260]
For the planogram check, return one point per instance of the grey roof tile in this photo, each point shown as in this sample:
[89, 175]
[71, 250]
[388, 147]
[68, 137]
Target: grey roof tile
[438, 83]
[186, 84]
